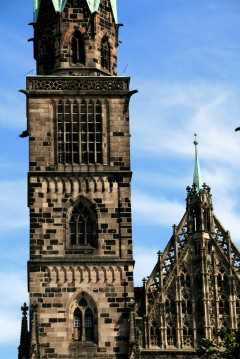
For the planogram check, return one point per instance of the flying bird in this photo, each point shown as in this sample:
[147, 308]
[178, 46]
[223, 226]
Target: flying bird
[237, 129]
[24, 134]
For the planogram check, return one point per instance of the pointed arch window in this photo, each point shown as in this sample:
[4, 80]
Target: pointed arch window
[78, 48]
[83, 227]
[85, 321]
[105, 54]
[79, 132]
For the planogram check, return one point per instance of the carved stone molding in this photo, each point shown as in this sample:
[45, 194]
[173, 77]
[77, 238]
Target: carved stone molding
[79, 84]
[73, 276]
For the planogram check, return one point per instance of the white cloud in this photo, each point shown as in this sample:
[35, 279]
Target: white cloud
[13, 291]
[148, 210]
[9, 328]
[13, 205]
[155, 179]
[145, 260]
[170, 115]
[12, 110]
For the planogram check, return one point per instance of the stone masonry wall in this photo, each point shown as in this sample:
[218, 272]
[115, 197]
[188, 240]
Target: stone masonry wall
[59, 273]
[53, 33]
[56, 289]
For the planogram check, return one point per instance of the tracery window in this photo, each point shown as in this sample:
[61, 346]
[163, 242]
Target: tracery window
[105, 54]
[155, 334]
[187, 335]
[83, 226]
[79, 132]
[171, 334]
[85, 321]
[78, 49]
[223, 305]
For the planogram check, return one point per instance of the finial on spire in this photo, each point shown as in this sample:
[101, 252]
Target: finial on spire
[195, 141]
[197, 178]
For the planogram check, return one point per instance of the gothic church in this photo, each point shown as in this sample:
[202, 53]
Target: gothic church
[82, 301]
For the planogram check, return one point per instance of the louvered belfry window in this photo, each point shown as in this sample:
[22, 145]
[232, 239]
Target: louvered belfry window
[79, 132]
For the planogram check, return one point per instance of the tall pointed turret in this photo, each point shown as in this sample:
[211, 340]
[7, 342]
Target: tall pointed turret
[197, 177]
[23, 348]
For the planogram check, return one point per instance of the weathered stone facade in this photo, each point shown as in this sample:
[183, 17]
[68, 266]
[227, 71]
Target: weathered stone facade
[80, 272]
[54, 32]
[61, 273]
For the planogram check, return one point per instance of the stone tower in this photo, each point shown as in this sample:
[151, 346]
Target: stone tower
[80, 271]
[194, 289]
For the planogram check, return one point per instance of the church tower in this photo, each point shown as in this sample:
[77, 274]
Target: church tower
[80, 270]
[194, 289]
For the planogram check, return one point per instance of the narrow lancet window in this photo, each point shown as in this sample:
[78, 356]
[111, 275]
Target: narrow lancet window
[78, 48]
[105, 54]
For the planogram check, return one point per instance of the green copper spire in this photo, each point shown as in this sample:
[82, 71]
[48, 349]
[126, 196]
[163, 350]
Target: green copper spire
[59, 6]
[197, 177]
[94, 6]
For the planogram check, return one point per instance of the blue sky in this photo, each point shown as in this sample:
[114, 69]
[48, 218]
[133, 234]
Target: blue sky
[183, 56]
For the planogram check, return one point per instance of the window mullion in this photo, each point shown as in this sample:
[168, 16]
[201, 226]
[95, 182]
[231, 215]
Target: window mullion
[87, 131]
[85, 231]
[64, 134]
[94, 129]
[71, 120]
[84, 326]
[79, 134]
[77, 230]
[77, 49]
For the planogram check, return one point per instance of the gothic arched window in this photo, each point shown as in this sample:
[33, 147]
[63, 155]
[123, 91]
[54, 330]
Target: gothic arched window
[78, 48]
[85, 328]
[105, 54]
[83, 226]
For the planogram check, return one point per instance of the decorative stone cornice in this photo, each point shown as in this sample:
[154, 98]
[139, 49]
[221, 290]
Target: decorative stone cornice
[80, 83]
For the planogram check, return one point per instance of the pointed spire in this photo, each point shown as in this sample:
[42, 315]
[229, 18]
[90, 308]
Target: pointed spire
[24, 338]
[197, 177]
[34, 340]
